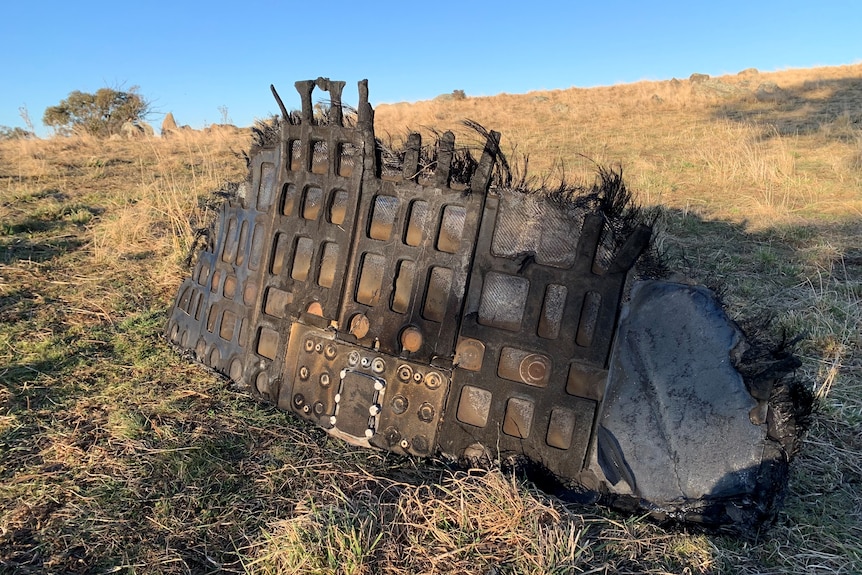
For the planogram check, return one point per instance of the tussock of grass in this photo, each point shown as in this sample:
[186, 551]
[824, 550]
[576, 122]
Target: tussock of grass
[117, 455]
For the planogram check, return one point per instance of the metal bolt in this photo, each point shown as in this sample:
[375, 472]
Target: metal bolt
[318, 348]
[298, 400]
[325, 380]
[365, 362]
[309, 345]
[319, 408]
[420, 444]
[353, 358]
[330, 351]
[374, 410]
[303, 372]
[399, 404]
[378, 365]
[417, 377]
[426, 412]
[405, 372]
[433, 380]
[404, 444]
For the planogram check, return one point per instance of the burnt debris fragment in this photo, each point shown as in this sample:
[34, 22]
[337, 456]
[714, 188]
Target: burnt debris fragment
[424, 302]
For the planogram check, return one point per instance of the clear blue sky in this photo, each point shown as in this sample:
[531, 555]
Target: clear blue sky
[196, 58]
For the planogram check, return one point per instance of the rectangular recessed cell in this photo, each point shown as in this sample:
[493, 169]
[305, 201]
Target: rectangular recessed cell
[276, 302]
[212, 316]
[586, 381]
[589, 318]
[503, 300]
[295, 155]
[185, 300]
[256, 246]
[229, 251]
[328, 264]
[302, 259]
[243, 332]
[437, 294]
[203, 272]
[524, 366]
[279, 253]
[216, 282]
[561, 427]
[416, 223]
[338, 207]
[552, 311]
[199, 306]
[370, 279]
[249, 293]
[266, 189]
[519, 417]
[229, 287]
[451, 229]
[228, 325]
[347, 158]
[288, 199]
[243, 243]
[474, 405]
[404, 279]
[383, 215]
[319, 157]
[267, 342]
[312, 201]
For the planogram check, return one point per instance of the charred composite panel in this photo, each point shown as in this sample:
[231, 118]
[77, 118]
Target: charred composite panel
[402, 310]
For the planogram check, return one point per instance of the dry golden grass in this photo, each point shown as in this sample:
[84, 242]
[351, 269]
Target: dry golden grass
[117, 455]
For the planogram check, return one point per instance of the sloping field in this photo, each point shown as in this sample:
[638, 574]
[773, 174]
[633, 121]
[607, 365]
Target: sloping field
[119, 456]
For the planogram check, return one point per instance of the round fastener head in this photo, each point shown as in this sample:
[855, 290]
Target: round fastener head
[405, 372]
[303, 372]
[426, 412]
[314, 308]
[330, 351]
[420, 444]
[411, 339]
[378, 365]
[309, 344]
[433, 380]
[359, 326]
[353, 357]
[399, 404]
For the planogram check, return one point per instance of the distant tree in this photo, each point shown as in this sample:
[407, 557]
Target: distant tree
[16, 133]
[99, 114]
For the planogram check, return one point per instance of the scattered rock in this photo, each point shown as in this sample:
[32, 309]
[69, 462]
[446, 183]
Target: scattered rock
[131, 130]
[719, 88]
[698, 78]
[749, 72]
[169, 124]
[768, 91]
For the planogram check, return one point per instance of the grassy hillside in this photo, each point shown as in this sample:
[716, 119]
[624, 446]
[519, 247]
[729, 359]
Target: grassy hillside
[119, 456]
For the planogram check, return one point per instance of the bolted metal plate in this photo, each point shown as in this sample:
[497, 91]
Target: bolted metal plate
[399, 309]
